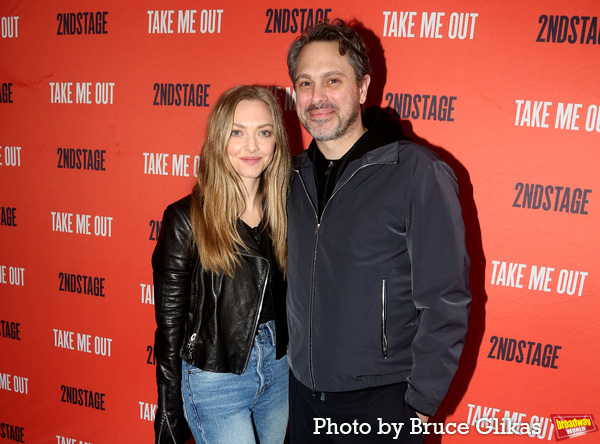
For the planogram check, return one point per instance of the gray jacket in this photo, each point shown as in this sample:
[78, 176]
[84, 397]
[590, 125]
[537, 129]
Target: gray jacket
[378, 288]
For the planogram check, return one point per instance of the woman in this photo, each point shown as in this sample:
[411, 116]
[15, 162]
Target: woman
[219, 268]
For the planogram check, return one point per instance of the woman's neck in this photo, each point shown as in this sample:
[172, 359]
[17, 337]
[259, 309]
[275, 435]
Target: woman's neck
[252, 214]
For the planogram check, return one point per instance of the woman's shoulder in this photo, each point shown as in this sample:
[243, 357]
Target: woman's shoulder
[179, 209]
[183, 204]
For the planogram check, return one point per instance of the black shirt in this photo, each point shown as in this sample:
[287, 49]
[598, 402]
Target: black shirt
[261, 236]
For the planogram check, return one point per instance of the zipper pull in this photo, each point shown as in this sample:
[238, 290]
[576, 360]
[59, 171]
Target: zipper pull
[190, 345]
[317, 229]
[328, 170]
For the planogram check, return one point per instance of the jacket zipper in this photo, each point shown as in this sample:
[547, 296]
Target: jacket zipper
[314, 264]
[260, 304]
[327, 176]
[312, 287]
[190, 344]
[384, 341]
[328, 170]
[312, 307]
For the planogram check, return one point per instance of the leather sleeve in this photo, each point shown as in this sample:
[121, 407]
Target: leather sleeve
[170, 425]
[172, 266]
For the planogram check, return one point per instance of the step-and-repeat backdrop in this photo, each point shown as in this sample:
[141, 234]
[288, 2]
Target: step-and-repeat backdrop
[102, 111]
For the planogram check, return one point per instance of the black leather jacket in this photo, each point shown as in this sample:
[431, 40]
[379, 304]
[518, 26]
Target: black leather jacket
[191, 322]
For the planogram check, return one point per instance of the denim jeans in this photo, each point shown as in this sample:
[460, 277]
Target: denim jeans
[223, 408]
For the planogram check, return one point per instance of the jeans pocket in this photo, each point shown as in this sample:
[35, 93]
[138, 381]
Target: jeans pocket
[189, 369]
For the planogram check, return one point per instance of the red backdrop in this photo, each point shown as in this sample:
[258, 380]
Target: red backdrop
[102, 111]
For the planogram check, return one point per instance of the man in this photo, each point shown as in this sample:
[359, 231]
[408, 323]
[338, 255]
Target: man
[378, 290]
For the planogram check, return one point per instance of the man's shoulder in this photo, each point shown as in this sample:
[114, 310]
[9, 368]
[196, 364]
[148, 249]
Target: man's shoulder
[404, 151]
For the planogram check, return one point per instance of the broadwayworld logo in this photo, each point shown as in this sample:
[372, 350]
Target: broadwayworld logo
[570, 426]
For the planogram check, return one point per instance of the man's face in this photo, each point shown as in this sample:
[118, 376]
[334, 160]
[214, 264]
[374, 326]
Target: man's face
[328, 99]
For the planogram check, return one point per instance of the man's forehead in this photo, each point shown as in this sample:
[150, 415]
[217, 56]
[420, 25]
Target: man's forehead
[324, 48]
[322, 58]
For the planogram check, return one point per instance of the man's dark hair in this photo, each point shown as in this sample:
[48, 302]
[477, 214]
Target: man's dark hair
[337, 31]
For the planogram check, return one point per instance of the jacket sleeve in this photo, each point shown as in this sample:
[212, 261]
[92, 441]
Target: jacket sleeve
[172, 267]
[441, 292]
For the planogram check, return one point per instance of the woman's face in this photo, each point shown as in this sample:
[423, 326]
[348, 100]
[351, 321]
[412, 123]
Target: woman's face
[252, 143]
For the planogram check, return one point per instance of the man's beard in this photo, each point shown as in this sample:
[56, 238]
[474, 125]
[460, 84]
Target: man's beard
[340, 130]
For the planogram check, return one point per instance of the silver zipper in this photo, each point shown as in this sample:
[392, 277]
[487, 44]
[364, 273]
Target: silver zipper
[312, 307]
[312, 288]
[384, 341]
[260, 303]
[190, 345]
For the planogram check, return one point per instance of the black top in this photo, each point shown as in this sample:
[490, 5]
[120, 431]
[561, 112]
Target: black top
[381, 131]
[263, 240]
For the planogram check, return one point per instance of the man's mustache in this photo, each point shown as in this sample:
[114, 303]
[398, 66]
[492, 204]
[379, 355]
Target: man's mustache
[319, 107]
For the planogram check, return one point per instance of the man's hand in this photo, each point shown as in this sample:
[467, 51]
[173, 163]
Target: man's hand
[423, 418]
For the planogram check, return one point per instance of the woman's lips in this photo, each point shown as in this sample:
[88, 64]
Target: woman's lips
[251, 160]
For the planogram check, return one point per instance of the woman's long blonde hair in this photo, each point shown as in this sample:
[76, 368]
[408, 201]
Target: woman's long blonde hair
[218, 196]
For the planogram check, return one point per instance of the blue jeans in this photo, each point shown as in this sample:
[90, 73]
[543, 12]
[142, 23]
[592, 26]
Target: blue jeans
[223, 408]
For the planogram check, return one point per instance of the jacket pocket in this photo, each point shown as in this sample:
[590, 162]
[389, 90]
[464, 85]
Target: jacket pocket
[384, 341]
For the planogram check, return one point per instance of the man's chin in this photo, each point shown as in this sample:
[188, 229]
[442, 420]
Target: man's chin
[322, 134]
[323, 137]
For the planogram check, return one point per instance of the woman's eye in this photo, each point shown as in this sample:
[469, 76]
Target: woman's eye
[236, 132]
[266, 133]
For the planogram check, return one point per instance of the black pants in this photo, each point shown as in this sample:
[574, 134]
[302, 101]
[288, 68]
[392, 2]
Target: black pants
[371, 415]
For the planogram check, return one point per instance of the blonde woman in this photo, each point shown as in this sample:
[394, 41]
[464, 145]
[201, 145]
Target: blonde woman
[219, 268]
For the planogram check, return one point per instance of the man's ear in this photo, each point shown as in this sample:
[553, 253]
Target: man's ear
[364, 88]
